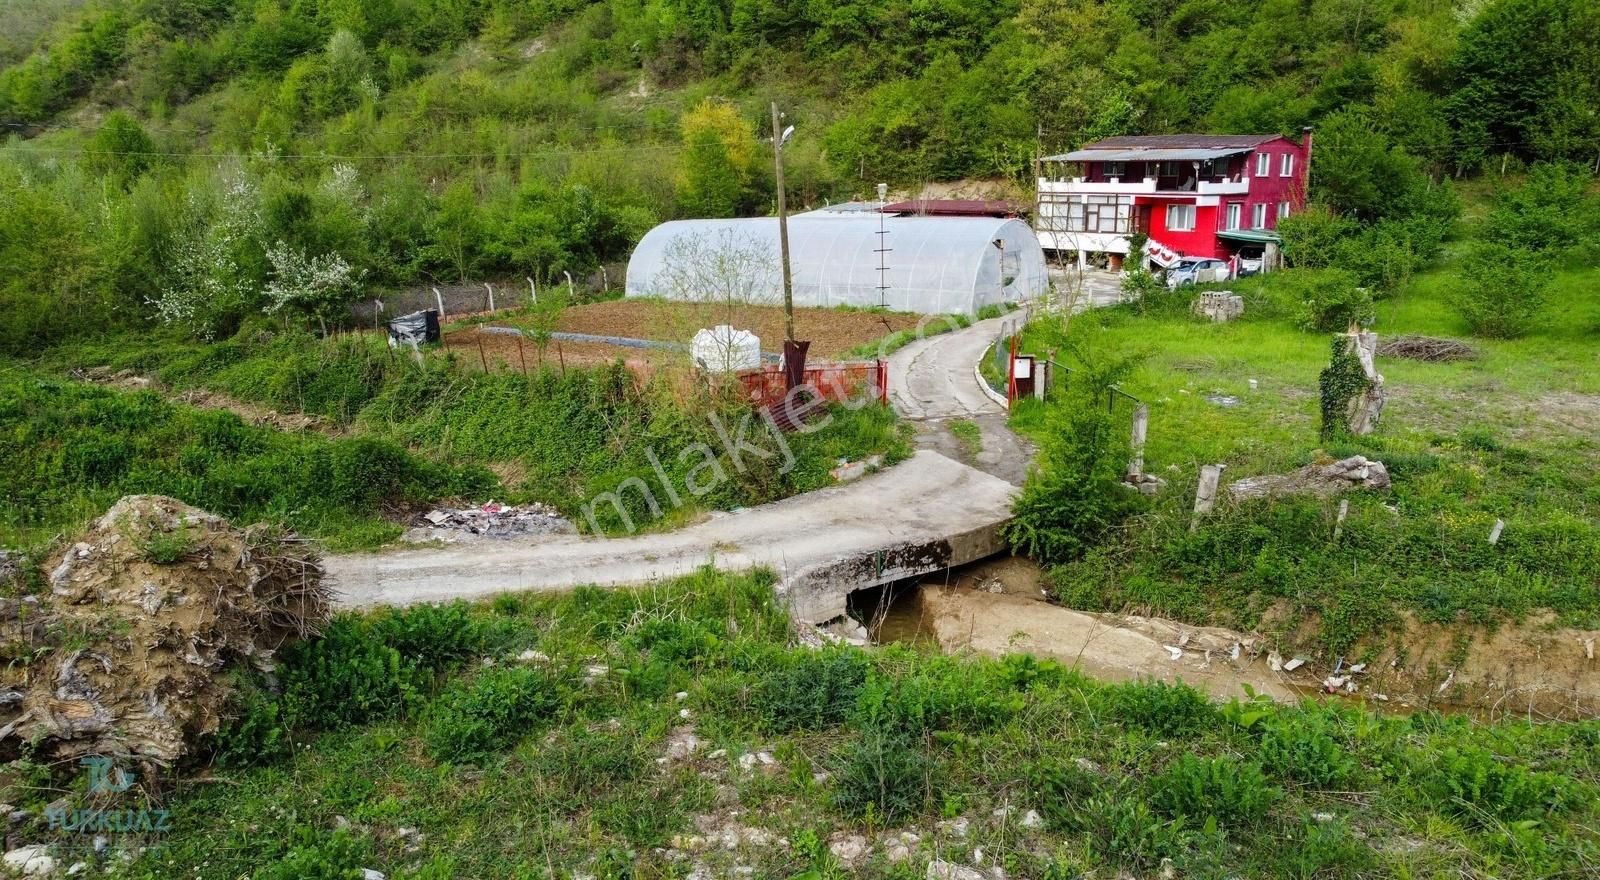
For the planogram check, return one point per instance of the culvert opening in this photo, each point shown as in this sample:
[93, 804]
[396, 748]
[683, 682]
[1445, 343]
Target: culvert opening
[896, 613]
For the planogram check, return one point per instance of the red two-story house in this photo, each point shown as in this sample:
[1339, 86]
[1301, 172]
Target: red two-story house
[1192, 195]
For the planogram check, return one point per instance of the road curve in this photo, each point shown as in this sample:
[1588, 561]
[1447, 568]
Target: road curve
[927, 498]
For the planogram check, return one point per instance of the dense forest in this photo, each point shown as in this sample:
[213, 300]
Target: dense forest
[199, 162]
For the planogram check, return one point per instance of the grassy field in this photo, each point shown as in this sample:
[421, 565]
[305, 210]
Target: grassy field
[1512, 435]
[577, 759]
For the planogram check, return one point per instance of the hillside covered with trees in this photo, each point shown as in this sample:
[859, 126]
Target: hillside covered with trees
[198, 162]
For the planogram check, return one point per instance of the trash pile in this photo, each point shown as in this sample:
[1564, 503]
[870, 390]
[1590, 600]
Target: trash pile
[127, 655]
[488, 520]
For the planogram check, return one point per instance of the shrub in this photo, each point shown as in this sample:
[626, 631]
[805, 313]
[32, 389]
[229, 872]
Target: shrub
[1201, 788]
[883, 775]
[1160, 708]
[432, 637]
[808, 690]
[1501, 290]
[475, 720]
[1298, 746]
[1124, 830]
[1481, 786]
[1075, 495]
[367, 472]
[318, 855]
[348, 676]
[1325, 299]
[941, 694]
[256, 734]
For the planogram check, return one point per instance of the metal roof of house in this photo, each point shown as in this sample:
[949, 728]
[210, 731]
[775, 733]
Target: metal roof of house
[955, 208]
[1163, 147]
[1164, 155]
[1256, 236]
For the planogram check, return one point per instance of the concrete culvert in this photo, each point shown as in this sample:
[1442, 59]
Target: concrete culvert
[127, 655]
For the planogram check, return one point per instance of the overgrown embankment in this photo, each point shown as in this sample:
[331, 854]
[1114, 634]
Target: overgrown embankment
[562, 437]
[678, 730]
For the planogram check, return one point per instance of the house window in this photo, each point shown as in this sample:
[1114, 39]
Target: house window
[1235, 210]
[1113, 169]
[1097, 213]
[1263, 164]
[1166, 169]
[1258, 217]
[1286, 167]
[1180, 218]
[1283, 210]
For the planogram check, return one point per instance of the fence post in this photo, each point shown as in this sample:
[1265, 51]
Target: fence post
[572, 291]
[1205, 495]
[439, 298]
[491, 296]
[533, 291]
[1141, 425]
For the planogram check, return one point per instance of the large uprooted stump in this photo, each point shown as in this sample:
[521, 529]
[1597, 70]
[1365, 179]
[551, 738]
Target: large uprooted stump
[127, 654]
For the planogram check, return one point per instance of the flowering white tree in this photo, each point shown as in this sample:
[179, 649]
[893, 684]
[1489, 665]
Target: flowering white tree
[318, 286]
[211, 282]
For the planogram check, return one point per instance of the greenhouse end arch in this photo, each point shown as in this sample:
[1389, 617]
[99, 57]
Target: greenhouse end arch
[931, 265]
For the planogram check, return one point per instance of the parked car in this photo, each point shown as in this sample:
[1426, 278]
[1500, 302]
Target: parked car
[1192, 270]
[1250, 263]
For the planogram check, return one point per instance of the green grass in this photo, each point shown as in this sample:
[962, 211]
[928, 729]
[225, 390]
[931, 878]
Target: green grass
[893, 342]
[1511, 435]
[562, 438]
[967, 432]
[1123, 776]
[72, 449]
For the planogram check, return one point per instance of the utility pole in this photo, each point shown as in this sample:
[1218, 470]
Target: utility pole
[783, 226]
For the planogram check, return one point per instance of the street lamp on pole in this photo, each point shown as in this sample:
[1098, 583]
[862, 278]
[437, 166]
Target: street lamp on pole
[778, 139]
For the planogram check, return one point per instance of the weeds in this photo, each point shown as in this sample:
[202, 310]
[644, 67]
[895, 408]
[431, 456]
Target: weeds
[507, 771]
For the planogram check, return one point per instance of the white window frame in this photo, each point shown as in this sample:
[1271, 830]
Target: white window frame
[1263, 164]
[1188, 223]
[1286, 165]
[1258, 215]
[1235, 215]
[1283, 210]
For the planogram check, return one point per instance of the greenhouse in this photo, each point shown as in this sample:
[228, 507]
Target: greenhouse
[932, 265]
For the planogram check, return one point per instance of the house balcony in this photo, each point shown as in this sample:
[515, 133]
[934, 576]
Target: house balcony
[1147, 186]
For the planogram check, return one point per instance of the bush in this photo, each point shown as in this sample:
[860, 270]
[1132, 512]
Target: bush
[1298, 746]
[431, 637]
[1160, 708]
[883, 775]
[348, 676]
[256, 733]
[1480, 786]
[318, 855]
[473, 721]
[941, 694]
[808, 690]
[1075, 496]
[1324, 299]
[1201, 788]
[1501, 290]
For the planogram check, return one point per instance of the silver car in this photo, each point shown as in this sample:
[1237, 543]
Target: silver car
[1193, 270]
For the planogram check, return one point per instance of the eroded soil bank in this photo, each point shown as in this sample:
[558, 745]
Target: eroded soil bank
[998, 606]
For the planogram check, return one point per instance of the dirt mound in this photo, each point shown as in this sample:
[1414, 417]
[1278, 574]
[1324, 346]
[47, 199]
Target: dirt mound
[126, 656]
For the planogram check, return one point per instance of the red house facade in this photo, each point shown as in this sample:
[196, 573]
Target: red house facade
[1191, 195]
